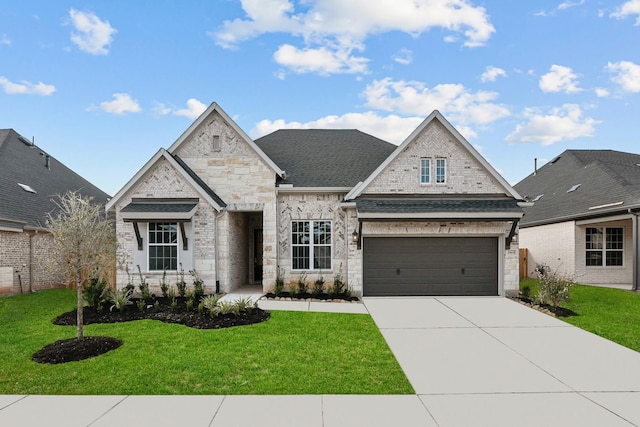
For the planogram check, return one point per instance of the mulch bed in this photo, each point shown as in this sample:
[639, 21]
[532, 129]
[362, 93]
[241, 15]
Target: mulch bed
[545, 308]
[70, 350]
[309, 296]
[74, 349]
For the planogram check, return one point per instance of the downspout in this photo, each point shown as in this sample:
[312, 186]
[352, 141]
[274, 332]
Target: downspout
[216, 249]
[31, 262]
[636, 248]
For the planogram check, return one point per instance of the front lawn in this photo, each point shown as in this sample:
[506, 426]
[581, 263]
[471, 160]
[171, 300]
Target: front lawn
[292, 353]
[611, 313]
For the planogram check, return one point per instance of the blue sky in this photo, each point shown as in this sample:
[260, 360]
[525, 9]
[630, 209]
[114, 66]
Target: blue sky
[103, 85]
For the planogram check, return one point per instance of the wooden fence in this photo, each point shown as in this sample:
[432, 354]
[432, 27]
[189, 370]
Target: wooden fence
[524, 263]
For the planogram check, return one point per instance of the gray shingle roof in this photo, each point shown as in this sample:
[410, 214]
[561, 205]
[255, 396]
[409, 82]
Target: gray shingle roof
[605, 177]
[325, 157]
[159, 207]
[24, 163]
[439, 205]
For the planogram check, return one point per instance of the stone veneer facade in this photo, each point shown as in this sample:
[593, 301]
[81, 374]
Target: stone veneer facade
[240, 178]
[222, 243]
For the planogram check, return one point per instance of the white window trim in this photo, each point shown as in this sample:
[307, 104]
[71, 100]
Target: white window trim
[178, 239]
[311, 245]
[604, 249]
[436, 171]
[427, 159]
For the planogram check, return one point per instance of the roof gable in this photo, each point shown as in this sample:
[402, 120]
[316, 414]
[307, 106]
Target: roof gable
[213, 109]
[200, 187]
[609, 183]
[412, 150]
[338, 158]
[22, 162]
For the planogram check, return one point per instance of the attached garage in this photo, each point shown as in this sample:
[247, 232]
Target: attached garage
[430, 266]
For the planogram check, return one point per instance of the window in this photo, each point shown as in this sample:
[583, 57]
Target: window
[163, 246]
[425, 171]
[604, 246]
[216, 142]
[441, 171]
[311, 245]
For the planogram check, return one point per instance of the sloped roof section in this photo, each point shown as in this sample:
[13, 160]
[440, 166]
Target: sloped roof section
[609, 183]
[325, 157]
[178, 164]
[22, 162]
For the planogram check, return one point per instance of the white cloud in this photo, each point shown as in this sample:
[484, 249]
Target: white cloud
[560, 79]
[492, 73]
[631, 7]
[569, 4]
[341, 27]
[5, 40]
[122, 103]
[455, 101]
[404, 57]
[626, 74]
[92, 34]
[323, 61]
[193, 110]
[391, 128]
[563, 123]
[26, 88]
[601, 92]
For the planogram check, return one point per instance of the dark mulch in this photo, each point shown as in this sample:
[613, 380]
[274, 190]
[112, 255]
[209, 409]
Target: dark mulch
[556, 311]
[74, 349]
[164, 313]
[308, 295]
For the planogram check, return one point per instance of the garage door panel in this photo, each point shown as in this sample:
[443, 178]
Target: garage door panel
[430, 266]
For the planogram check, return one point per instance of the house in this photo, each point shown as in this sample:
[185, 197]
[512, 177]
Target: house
[584, 218]
[30, 180]
[428, 217]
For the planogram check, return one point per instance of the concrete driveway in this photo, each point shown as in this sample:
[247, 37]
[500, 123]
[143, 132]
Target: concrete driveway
[477, 361]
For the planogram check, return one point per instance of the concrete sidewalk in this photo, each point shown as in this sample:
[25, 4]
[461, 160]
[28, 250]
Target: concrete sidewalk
[472, 362]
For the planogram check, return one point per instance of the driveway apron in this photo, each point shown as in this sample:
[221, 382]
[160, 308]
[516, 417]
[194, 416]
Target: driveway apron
[493, 361]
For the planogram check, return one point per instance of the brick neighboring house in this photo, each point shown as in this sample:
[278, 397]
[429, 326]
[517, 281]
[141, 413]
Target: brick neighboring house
[428, 217]
[584, 219]
[30, 179]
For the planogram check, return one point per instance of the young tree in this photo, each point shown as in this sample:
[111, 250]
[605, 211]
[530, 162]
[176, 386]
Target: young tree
[84, 242]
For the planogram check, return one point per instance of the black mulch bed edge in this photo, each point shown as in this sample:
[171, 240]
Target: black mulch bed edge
[556, 311]
[74, 349]
[307, 295]
[166, 314]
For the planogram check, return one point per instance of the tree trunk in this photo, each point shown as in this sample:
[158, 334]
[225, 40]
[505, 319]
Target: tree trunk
[80, 318]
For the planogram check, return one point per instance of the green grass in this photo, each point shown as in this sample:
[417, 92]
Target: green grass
[292, 353]
[611, 313]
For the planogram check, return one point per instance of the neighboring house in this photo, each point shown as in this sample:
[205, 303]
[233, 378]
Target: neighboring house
[584, 218]
[428, 217]
[30, 181]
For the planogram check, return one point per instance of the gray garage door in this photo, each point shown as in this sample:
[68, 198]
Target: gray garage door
[430, 266]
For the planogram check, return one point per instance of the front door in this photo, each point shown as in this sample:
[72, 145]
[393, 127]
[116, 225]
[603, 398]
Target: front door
[257, 255]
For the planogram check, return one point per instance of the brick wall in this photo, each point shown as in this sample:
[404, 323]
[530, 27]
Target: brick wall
[464, 173]
[551, 244]
[298, 206]
[30, 253]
